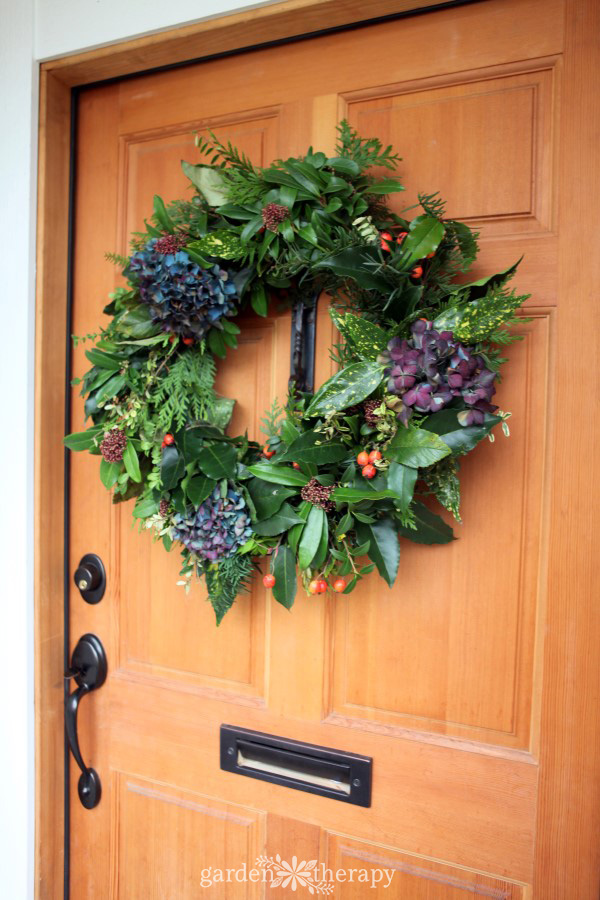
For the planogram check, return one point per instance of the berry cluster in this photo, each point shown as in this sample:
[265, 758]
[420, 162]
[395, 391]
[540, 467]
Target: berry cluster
[367, 460]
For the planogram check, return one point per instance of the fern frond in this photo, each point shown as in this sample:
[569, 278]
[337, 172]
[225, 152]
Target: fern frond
[186, 393]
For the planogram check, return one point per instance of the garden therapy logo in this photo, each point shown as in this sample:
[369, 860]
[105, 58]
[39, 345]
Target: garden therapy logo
[315, 877]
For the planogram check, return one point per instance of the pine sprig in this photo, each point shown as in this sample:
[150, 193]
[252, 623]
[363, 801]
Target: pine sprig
[225, 580]
[367, 152]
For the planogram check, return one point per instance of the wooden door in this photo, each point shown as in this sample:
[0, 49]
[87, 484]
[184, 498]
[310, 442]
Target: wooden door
[455, 681]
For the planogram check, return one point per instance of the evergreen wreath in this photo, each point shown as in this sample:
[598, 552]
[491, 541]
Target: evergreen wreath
[346, 473]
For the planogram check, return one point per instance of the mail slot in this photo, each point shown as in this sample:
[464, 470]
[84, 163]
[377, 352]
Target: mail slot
[295, 764]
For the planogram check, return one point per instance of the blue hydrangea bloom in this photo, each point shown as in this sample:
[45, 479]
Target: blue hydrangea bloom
[217, 528]
[184, 298]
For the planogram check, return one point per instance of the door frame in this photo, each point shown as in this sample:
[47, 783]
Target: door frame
[563, 797]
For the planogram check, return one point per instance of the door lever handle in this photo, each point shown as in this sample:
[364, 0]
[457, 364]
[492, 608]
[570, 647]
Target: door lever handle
[88, 667]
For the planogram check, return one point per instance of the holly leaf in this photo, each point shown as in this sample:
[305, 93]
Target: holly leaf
[430, 528]
[311, 537]
[280, 522]
[417, 447]
[460, 439]
[172, 467]
[284, 570]
[268, 497]
[217, 460]
[279, 474]
[384, 549]
[312, 447]
[346, 388]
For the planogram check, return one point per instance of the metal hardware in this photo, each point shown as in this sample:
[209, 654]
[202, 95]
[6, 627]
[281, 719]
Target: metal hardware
[90, 578]
[302, 356]
[88, 668]
[305, 767]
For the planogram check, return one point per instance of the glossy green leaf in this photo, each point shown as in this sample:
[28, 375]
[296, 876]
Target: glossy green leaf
[217, 460]
[111, 388]
[416, 447]
[208, 181]
[286, 581]
[402, 480]
[131, 461]
[137, 323]
[267, 497]
[279, 474]
[295, 533]
[311, 537]
[313, 447]
[220, 243]
[109, 473]
[366, 338]
[344, 165]
[424, 236]
[145, 507]
[221, 413]
[161, 215]
[84, 440]
[384, 549]
[199, 488]
[430, 528]
[355, 495]
[172, 467]
[259, 299]
[321, 554]
[460, 439]
[284, 519]
[104, 360]
[358, 263]
[347, 387]
[387, 186]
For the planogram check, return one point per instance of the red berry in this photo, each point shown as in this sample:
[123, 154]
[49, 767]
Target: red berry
[369, 471]
[188, 341]
[268, 453]
[295, 465]
[401, 237]
[363, 458]
[269, 581]
[168, 440]
[430, 255]
[313, 587]
[339, 585]
[321, 586]
[385, 237]
[172, 338]
[374, 456]
[417, 272]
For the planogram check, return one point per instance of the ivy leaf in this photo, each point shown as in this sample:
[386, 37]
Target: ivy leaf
[311, 537]
[217, 460]
[280, 522]
[146, 506]
[312, 447]
[417, 447]
[199, 488]
[161, 215]
[109, 472]
[366, 338]
[431, 528]
[345, 388]
[402, 480]
[424, 236]
[172, 467]
[279, 474]
[384, 549]
[83, 440]
[284, 570]
[132, 463]
[208, 181]
[460, 439]
[268, 498]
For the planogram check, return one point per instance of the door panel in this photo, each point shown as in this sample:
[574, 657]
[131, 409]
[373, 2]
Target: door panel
[440, 679]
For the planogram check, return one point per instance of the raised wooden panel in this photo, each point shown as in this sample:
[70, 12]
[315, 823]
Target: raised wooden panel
[457, 655]
[381, 872]
[165, 841]
[499, 127]
[150, 160]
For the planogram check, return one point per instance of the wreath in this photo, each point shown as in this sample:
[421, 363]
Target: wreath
[345, 473]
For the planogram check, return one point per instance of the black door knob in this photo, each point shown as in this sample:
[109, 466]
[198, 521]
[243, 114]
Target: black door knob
[90, 578]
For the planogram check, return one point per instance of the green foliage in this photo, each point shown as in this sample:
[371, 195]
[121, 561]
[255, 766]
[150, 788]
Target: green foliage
[226, 580]
[186, 390]
[442, 480]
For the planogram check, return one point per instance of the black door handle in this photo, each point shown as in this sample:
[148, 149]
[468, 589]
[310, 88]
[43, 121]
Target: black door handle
[88, 668]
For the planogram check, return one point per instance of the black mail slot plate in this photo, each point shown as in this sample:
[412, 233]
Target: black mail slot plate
[296, 764]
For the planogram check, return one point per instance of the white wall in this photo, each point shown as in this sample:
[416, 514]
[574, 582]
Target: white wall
[31, 30]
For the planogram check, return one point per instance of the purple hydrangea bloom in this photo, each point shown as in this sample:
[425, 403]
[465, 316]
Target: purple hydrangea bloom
[217, 528]
[431, 369]
[184, 298]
